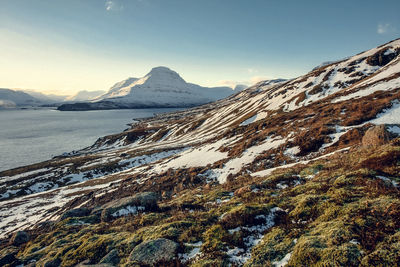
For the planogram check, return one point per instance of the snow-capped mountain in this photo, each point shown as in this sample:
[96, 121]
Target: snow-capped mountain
[163, 87]
[84, 95]
[45, 98]
[10, 98]
[287, 163]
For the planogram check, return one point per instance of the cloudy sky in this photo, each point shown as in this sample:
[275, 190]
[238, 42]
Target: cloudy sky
[67, 46]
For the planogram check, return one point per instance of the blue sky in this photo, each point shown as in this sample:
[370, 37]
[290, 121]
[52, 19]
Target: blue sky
[67, 46]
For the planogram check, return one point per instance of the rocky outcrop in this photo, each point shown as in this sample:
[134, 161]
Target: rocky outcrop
[129, 205]
[78, 212]
[376, 136]
[154, 253]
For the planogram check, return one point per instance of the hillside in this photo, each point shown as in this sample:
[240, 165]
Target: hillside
[161, 87]
[11, 99]
[302, 172]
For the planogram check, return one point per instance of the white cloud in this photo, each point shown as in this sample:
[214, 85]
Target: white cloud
[252, 70]
[113, 5]
[384, 28]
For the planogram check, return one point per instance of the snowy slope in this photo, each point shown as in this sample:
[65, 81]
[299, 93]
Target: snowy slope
[163, 87]
[269, 125]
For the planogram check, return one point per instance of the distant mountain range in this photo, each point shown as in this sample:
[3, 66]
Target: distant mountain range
[10, 98]
[161, 87]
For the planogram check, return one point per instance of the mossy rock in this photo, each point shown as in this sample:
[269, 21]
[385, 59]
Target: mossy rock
[154, 252]
[145, 201]
[78, 212]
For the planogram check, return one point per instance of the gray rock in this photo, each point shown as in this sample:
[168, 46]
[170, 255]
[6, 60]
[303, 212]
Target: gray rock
[129, 205]
[154, 252]
[53, 263]
[86, 263]
[19, 238]
[111, 258]
[7, 255]
[78, 212]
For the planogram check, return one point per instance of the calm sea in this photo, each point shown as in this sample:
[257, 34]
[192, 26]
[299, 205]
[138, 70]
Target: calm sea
[31, 136]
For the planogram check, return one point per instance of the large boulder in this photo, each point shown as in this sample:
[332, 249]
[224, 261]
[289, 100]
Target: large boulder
[53, 263]
[86, 263]
[376, 136]
[111, 258]
[78, 212]
[19, 238]
[154, 252]
[129, 205]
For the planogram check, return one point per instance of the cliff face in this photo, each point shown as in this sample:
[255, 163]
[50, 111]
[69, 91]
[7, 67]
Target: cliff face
[284, 172]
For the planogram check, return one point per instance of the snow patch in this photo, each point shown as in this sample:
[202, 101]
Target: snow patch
[128, 210]
[390, 115]
[248, 121]
[284, 261]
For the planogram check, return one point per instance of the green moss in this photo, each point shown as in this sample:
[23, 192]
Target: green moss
[92, 248]
[168, 230]
[244, 215]
[274, 246]
[208, 263]
[387, 252]
[151, 218]
[192, 234]
[307, 251]
[306, 207]
[214, 238]
[312, 170]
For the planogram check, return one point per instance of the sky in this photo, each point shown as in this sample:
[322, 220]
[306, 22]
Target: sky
[63, 47]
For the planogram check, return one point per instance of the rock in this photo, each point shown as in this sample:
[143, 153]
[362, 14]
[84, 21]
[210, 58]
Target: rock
[19, 238]
[86, 263]
[7, 255]
[376, 136]
[78, 212]
[111, 258]
[129, 205]
[53, 263]
[155, 252]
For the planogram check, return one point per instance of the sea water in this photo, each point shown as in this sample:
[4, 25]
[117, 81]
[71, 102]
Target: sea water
[33, 135]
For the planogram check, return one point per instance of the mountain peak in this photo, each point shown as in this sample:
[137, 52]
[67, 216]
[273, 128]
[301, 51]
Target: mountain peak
[161, 69]
[163, 74]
